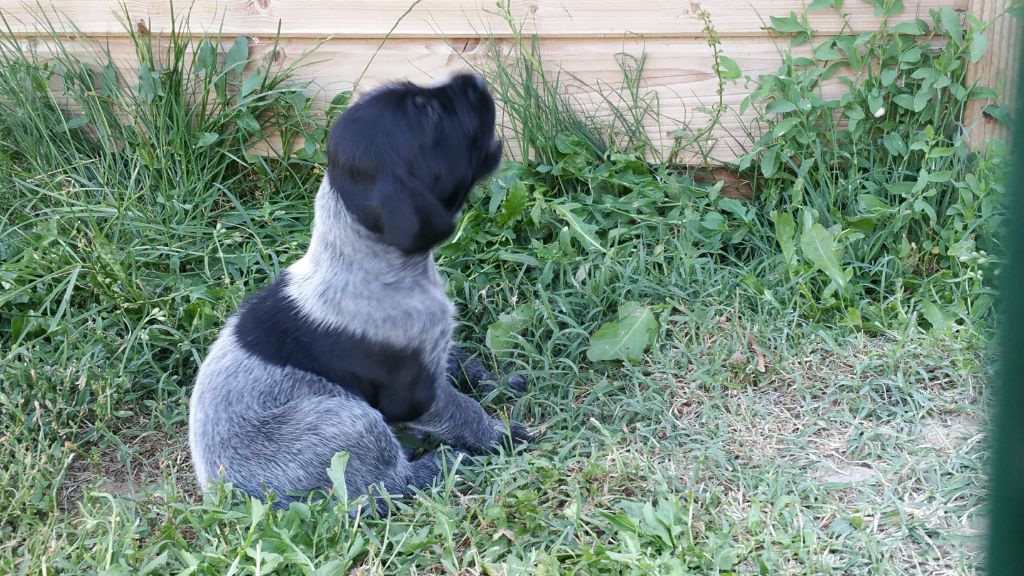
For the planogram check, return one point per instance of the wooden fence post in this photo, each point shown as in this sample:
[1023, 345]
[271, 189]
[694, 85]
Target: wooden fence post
[997, 70]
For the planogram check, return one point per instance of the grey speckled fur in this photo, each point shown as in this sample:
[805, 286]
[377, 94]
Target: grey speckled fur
[265, 427]
[357, 334]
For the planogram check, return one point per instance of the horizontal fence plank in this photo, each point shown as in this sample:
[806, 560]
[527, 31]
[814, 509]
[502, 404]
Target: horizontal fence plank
[677, 72]
[446, 18]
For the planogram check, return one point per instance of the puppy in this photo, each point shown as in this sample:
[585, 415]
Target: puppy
[356, 336]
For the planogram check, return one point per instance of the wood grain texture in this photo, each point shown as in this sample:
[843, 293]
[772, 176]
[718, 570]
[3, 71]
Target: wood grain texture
[997, 69]
[677, 72]
[580, 39]
[447, 18]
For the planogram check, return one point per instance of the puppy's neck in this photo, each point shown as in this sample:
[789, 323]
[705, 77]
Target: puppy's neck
[340, 241]
[349, 279]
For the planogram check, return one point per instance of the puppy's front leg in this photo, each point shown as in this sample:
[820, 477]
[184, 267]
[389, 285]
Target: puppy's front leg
[470, 375]
[461, 422]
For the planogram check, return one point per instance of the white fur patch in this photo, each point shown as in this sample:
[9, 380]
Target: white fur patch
[350, 280]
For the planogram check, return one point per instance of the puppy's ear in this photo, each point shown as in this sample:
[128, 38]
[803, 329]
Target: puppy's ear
[411, 219]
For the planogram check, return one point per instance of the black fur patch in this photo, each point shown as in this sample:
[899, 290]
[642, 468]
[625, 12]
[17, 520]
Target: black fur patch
[403, 160]
[394, 381]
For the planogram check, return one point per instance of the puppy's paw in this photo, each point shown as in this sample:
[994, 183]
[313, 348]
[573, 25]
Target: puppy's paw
[520, 434]
[469, 375]
[517, 382]
[508, 437]
[508, 385]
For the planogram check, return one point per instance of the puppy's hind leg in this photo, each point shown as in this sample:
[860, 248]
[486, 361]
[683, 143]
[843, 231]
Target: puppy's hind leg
[288, 451]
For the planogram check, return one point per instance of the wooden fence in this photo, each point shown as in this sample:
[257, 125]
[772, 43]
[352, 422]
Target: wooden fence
[582, 38]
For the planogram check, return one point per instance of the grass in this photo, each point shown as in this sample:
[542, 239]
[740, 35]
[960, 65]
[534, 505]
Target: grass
[767, 419]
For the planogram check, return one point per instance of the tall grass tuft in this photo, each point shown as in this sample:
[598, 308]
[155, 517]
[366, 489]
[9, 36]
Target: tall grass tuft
[129, 206]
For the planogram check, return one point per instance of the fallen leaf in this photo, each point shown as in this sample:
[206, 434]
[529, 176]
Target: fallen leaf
[733, 184]
[506, 533]
[761, 364]
[846, 474]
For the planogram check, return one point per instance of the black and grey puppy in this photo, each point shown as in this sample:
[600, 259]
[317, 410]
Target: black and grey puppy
[356, 336]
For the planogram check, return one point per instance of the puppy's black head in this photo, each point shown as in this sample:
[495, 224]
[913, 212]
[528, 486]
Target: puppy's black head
[405, 157]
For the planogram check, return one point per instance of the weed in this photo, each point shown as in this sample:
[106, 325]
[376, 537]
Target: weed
[894, 216]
